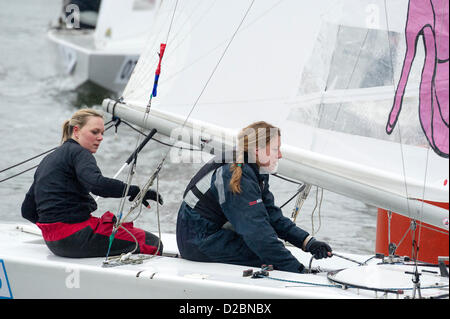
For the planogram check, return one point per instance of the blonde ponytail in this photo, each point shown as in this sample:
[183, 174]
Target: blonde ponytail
[79, 118]
[65, 131]
[255, 135]
[235, 182]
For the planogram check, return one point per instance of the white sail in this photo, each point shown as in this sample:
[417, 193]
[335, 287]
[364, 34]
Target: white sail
[325, 72]
[329, 74]
[123, 26]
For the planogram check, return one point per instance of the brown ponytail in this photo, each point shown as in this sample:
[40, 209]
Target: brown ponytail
[254, 136]
[79, 118]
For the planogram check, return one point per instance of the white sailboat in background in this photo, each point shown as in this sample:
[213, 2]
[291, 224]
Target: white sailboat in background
[328, 74]
[106, 53]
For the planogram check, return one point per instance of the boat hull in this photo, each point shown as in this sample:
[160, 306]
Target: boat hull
[433, 242]
[82, 61]
[29, 270]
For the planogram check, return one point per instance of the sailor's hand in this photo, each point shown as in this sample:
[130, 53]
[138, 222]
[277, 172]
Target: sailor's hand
[133, 191]
[152, 195]
[318, 249]
[149, 195]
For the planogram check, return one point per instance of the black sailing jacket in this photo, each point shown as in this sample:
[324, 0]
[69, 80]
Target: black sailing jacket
[256, 222]
[62, 183]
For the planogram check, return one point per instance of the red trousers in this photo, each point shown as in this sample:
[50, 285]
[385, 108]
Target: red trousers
[91, 238]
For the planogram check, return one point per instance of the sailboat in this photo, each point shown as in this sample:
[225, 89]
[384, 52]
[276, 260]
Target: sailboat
[106, 53]
[344, 82]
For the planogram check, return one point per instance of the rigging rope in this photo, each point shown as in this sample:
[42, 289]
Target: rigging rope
[218, 63]
[318, 202]
[27, 160]
[36, 156]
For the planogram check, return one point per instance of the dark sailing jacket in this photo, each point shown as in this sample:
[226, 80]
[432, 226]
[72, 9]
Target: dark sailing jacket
[62, 183]
[216, 225]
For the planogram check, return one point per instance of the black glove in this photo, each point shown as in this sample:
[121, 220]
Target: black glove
[318, 249]
[150, 194]
[153, 195]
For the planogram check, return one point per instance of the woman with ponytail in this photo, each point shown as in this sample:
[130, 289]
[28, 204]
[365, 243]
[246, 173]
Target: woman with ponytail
[60, 204]
[228, 214]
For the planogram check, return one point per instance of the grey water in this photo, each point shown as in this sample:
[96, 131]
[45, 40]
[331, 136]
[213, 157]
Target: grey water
[36, 97]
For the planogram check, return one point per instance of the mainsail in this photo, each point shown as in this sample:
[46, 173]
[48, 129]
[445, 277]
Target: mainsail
[328, 73]
[123, 25]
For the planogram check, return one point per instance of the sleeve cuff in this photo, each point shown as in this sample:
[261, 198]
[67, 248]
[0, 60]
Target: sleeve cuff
[306, 241]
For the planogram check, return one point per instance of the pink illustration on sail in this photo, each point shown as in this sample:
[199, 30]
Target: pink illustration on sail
[429, 19]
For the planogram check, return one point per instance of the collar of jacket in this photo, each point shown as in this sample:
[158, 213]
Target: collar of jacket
[71, 140]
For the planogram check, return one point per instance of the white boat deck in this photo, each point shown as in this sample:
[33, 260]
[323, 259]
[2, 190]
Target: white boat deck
[30, 270]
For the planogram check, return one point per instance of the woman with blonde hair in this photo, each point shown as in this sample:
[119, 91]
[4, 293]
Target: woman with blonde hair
[59, 203]
[228, 214]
